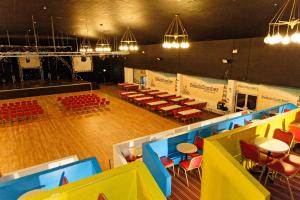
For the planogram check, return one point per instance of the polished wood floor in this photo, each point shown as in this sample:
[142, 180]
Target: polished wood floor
[59, 134]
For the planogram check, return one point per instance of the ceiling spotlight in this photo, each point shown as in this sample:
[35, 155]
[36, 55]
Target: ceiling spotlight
[44, 7]
[226, 61]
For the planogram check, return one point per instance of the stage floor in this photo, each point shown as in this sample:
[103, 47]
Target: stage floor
[38, 88]
[39, 84]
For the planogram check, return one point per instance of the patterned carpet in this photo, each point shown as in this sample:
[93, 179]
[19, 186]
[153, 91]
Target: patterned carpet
[278, 189]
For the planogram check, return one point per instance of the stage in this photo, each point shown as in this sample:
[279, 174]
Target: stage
[37, 88]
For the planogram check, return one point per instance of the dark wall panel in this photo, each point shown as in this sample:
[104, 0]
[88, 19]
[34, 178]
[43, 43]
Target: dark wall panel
[255, 61]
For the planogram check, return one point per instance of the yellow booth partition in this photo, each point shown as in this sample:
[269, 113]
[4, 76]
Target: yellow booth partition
[224, 177]
[129, 182]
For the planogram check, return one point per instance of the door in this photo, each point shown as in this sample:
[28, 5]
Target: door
[245, 102]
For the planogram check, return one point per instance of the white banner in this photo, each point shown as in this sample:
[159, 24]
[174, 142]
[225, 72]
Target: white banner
[82, 64]
[162, 81]
[205, 89]
[128, 75]
[32, 62]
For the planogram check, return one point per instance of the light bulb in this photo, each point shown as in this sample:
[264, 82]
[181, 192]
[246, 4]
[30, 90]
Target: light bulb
[267, 39]
[183, 45]
[168, 45]
[164, 45]
[108, 49]
[187, 44]
[177, 45]
[131, 48]
[173, 44]
[121, 48]
[295, 37]
[277, 38]
[286, 40]
[136, 48]
[125, 48]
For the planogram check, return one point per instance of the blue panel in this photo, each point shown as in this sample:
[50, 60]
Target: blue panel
[49, 179]
[158, 171]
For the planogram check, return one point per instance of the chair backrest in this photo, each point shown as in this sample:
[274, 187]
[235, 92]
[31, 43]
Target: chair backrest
[284, 136]
[196, 162]
[249, 151]
[236, 126]
[199, 142]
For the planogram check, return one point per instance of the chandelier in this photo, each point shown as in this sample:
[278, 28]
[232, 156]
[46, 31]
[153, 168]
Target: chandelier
[176, 35]
[102, 44]
[283, 28]
[85, 45]
[128, 41]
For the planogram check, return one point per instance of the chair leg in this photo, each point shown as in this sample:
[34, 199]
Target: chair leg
[173, 170]
[290, 189]
[266, 178]
[178, 171]
[199, 174]
[262, 172]
[187, 180]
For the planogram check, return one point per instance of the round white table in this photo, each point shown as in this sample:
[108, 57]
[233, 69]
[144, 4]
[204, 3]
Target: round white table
[186, 148]
[271, 145]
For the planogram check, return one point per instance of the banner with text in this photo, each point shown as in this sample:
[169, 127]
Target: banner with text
[205, 89]
[162, 81]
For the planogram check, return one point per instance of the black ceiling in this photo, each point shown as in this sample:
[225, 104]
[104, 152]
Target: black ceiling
[149, 19]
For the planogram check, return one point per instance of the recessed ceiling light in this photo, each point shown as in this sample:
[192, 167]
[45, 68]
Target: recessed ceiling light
[44, 7]
[275, 4]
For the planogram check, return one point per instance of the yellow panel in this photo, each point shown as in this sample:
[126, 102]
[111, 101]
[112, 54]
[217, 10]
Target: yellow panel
[129, 182]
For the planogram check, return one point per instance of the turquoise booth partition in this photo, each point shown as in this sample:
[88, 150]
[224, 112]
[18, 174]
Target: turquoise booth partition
[49, 179]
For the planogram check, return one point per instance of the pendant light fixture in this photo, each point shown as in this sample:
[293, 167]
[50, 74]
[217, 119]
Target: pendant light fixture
[128, 41]
[176, 36]
[284, 26]
[85, 46]
[102, 44]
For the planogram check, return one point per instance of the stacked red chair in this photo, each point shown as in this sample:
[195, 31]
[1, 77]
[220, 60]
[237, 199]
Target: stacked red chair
[82, 102]
[21, 110]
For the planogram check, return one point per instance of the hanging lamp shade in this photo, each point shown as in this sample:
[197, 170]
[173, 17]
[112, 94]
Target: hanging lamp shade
[128, 41]
[176, 35]
[284, 26]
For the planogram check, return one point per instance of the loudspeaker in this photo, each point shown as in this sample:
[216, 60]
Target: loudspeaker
[83, 58]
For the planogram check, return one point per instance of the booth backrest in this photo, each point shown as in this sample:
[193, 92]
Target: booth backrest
[49, 179]
[157, 169]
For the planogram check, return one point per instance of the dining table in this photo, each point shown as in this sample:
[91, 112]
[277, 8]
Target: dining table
[186, 148]
[189, 112]
[169, 108]
[271, 145]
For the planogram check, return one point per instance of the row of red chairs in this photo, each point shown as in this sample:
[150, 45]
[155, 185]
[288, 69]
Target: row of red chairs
[82, 102]
[17, 111]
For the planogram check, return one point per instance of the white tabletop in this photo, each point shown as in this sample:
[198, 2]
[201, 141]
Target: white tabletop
[271, 145]
[155, 103]
[146, 90]
[165, 95]
[155, 92]
[178, 99]
[124, 93]
[186, 148]
[189, 112]
[125, 86]
[136, 95]
[167, 108]
[143, 98]
[192, 103]
[255, 120]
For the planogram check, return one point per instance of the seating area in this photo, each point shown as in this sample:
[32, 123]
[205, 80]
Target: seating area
[19, 111]
[186, 151]
[180, 108]
[82, 102]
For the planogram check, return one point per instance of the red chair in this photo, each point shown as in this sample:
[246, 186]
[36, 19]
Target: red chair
[107, 103]
[237, 126]
[247, 122]
[188, 165]
[167, 162]
[286, 137]
[199, 142]
[250, 153]
[284, 169]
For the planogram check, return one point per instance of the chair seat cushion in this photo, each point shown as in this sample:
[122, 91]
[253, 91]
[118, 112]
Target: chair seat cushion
[185, 164]
[167, 162]
[283, 168]
[292, 159]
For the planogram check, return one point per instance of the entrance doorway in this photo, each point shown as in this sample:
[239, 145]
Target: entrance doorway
[245, 102]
